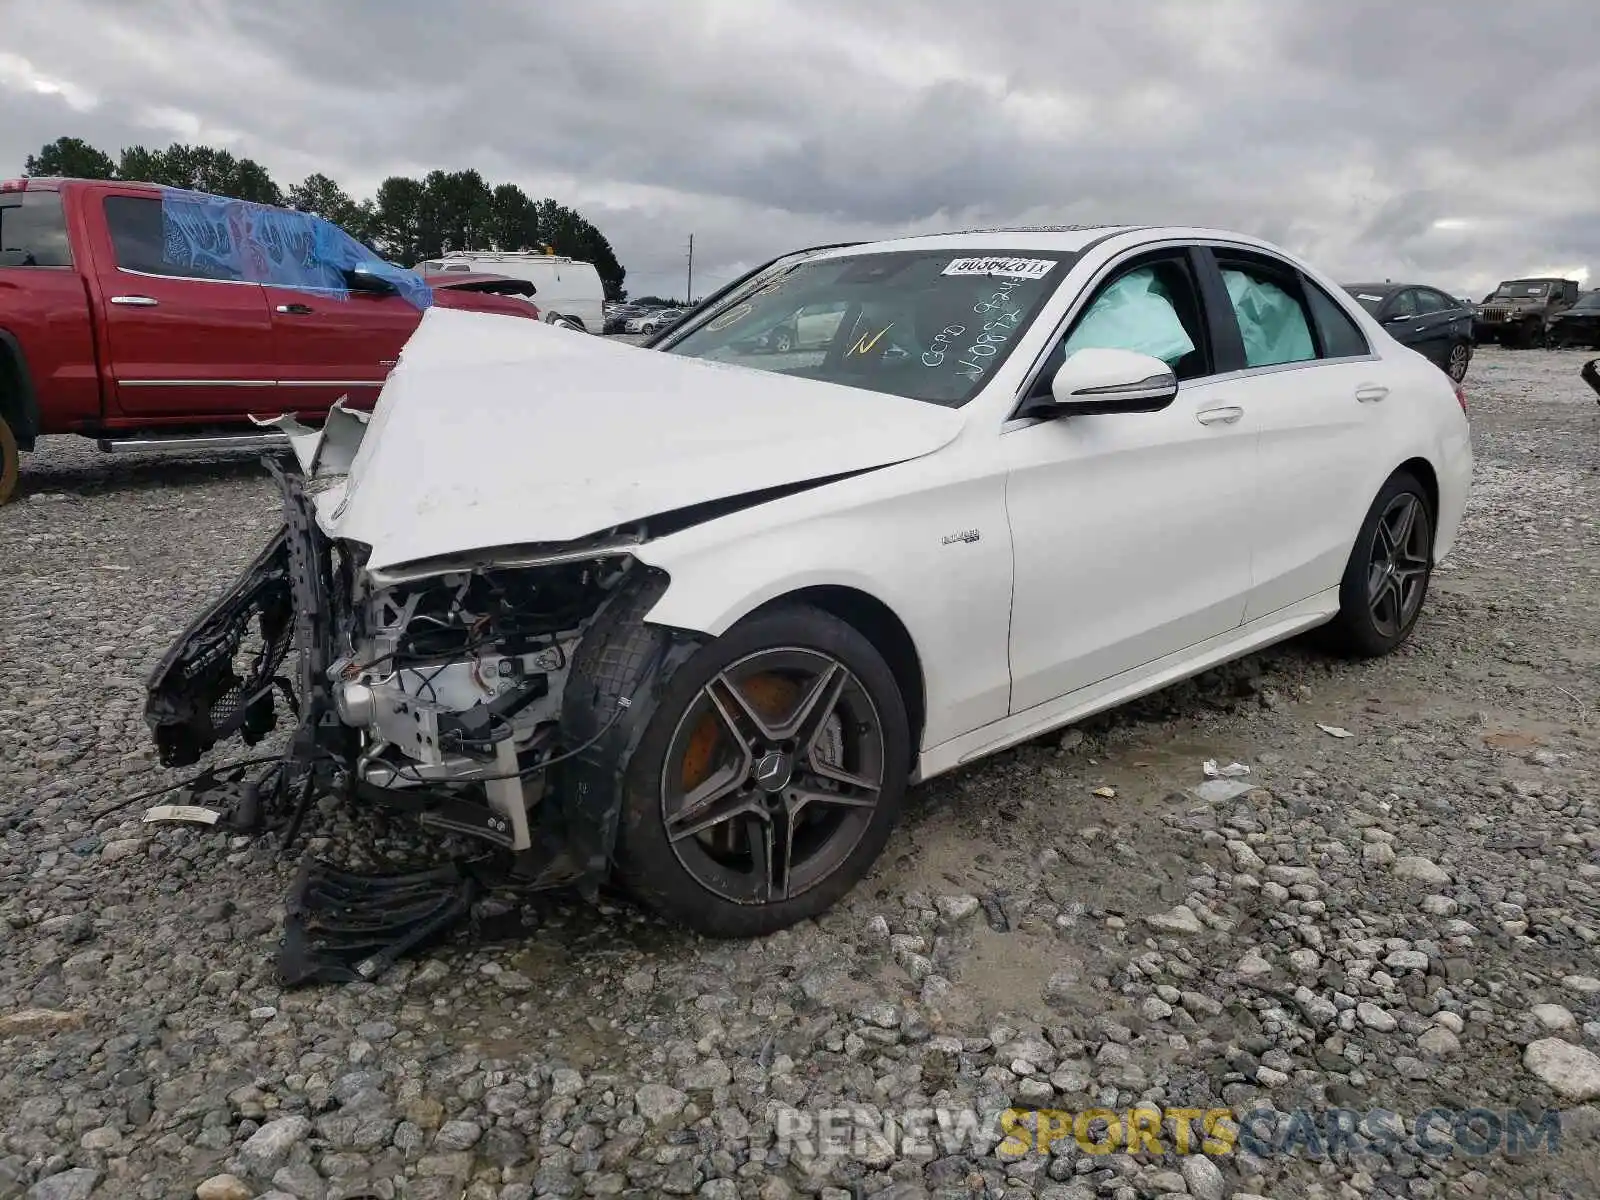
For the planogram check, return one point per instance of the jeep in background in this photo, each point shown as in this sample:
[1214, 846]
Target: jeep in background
[1518, 312]
[152, 318]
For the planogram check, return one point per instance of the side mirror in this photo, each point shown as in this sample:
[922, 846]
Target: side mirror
[359, 279]
[1103, 380]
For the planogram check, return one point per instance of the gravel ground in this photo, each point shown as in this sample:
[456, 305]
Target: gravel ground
[1403, 918]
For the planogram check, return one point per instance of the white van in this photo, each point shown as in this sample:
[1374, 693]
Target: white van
[569, 292]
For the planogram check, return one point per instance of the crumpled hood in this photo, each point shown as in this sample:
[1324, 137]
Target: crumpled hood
[496, 431]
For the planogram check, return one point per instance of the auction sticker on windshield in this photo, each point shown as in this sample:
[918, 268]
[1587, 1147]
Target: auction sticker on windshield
[1021, 268]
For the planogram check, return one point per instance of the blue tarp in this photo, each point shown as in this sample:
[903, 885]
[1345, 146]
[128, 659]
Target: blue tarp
[234, 239]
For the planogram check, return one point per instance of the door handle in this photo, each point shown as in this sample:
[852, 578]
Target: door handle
[134, 301]
[295, 309]
[1371, 393]
[1226, 415]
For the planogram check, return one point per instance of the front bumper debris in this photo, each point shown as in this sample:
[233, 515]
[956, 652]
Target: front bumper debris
[222, 678]
[343, 927]
[226, 675]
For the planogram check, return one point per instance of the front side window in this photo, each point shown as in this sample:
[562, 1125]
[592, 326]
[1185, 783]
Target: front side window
[1405, 304]
[33, 230]
[1273, 321]
[931, 325]
[1429, 302]
[1153, 308]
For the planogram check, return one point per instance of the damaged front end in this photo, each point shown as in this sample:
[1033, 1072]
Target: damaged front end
[485, 701]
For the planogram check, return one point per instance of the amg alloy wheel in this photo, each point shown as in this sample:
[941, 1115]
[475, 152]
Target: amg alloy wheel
[1386, 579]
[1460, 358]
[769, 777]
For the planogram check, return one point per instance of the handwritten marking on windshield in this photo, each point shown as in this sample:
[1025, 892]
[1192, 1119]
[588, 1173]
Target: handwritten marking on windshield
[934, 355]
[862, 346]
[733, 315]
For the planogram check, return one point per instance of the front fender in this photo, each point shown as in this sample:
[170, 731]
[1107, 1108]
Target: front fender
[936, 551]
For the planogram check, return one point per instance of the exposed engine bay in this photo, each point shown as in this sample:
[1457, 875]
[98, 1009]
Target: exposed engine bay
[458, 697]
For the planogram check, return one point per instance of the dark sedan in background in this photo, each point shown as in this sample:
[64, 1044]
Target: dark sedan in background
[1428, 319]
[1579, 325]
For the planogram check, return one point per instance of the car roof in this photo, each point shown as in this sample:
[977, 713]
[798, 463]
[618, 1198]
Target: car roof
[1062, 238]
[1386, 288]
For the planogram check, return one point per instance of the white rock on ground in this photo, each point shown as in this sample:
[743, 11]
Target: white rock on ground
[1568, 1070]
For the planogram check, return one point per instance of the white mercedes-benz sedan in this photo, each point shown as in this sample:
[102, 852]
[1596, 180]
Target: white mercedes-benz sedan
[694, 615]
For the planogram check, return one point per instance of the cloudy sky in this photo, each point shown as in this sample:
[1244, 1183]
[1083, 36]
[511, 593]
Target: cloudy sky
[1434, 139]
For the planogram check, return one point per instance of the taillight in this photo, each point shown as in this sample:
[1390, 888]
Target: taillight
[1461, 397]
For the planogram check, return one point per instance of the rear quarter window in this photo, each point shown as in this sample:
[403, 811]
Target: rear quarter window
[33, 230]
[1341, 337]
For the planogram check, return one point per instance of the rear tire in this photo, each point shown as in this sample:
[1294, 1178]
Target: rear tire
[1386, 580]
[768, 778]
[10, 462]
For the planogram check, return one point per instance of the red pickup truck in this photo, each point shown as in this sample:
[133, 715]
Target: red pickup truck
[151, 317]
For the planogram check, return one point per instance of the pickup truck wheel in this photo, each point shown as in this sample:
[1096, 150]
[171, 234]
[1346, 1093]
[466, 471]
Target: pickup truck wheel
[10, 462]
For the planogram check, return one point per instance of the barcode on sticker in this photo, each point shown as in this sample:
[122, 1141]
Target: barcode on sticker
[1019, 268]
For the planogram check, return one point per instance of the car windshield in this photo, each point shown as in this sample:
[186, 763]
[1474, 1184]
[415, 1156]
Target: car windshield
[1369, 299]
[1588, 302]
[929, 325]
[1520, 291]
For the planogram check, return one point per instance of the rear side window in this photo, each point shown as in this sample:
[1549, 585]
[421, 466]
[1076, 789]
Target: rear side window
[139, 238]
[1273, 321]
[1340, 336]
[33, 230]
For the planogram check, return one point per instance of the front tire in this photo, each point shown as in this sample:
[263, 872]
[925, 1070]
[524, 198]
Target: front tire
[768, 778]
[10, 462]
[1458, 360]
[1386, 580]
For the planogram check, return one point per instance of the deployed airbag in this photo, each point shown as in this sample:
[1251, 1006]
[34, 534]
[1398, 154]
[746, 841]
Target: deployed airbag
[1271, 321]
[1134, 313]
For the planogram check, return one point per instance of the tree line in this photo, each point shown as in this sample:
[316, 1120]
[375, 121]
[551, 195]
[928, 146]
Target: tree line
[407, 221]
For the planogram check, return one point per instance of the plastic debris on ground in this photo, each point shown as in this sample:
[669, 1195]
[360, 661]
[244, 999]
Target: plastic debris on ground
[1231, 771]
[1334, 730]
